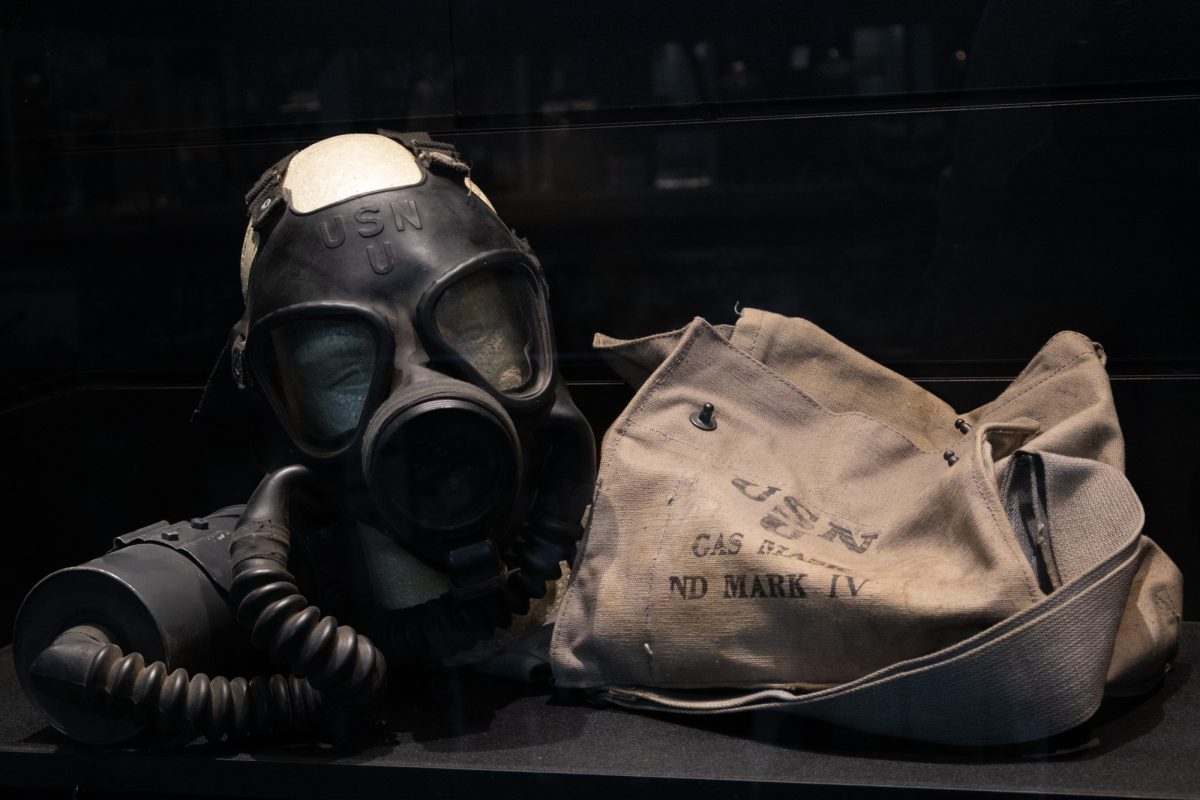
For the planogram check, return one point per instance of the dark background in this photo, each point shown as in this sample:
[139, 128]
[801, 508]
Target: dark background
[943, 185]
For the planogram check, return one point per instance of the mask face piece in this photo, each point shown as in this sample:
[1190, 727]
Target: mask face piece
[400, 334]
[402, 339]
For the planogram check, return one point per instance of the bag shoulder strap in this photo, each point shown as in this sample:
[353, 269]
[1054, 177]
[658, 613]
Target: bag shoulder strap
[1035, 674]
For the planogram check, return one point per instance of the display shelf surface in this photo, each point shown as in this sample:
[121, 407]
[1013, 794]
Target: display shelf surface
[456, 734]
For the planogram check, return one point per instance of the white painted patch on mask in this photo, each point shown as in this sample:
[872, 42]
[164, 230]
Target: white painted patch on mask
[249, 251]
[338, 168]
[475, 190]
[341, 167]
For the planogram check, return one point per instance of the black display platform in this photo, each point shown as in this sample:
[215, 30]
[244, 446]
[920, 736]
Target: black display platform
[462, 734]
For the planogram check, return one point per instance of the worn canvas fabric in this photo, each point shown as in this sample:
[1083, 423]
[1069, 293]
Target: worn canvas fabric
[845, 545]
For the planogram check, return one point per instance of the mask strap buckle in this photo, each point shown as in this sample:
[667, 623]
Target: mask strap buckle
[267, 191]
[430, 153]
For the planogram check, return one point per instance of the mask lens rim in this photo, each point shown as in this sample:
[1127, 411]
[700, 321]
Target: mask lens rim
[543, 356]
[259, 343]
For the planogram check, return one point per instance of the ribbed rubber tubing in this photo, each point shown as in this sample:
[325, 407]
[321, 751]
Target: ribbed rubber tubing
[217, 707]
[335, 659]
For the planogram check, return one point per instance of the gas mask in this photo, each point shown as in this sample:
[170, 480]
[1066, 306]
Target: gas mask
[400, 333]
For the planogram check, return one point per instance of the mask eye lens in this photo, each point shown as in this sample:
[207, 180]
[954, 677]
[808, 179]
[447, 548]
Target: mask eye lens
[318, 373]
[491, 318]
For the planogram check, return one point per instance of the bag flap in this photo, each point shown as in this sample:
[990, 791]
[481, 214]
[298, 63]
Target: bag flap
[636, 359]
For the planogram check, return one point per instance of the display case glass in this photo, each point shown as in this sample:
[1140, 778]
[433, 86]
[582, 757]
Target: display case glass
[942, 185]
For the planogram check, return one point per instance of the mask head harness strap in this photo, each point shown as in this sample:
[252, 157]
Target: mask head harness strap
[444, 157]
[434, 155]
[263, 198]
[267, 191]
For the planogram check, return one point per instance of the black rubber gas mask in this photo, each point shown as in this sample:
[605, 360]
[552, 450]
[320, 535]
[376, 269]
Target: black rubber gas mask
[402, 337]
[399, 331]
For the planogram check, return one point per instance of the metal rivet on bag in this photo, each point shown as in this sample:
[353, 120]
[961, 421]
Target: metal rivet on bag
[951, 459]
[703, 419]
[962, 425]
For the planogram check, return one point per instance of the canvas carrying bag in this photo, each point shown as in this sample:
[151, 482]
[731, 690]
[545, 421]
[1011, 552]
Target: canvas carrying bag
[846, 546]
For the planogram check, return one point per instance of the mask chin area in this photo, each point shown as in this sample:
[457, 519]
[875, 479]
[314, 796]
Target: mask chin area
[441, 463]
